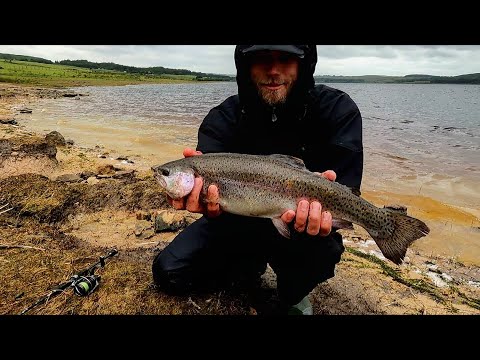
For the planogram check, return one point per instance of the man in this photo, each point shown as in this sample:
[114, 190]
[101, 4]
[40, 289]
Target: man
[278, 109]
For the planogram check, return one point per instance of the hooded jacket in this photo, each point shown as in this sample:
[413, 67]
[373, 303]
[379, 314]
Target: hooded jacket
[319, 124]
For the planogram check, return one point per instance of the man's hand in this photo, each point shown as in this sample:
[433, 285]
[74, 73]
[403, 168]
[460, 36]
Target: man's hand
[192, 201]
[309, 216]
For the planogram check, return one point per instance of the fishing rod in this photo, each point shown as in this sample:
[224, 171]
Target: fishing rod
[84, 282]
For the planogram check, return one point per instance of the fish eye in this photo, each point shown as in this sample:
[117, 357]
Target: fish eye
[165, 172]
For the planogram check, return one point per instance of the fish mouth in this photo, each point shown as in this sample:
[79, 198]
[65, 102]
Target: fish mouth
[161, 180]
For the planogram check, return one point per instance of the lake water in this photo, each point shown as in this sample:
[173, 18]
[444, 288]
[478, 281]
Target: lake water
[419, 139]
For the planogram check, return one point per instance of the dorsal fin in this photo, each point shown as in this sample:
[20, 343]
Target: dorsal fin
[290, 160]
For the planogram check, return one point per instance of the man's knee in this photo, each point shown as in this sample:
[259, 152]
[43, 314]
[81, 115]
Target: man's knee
[330, 257]
[169, 280]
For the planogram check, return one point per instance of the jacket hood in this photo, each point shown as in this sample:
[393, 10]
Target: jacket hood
[249, 98]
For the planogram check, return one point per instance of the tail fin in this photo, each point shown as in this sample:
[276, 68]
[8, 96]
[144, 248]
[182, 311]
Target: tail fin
[396, 237]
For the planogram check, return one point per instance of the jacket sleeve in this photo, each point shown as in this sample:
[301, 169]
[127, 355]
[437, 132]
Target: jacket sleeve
[346, 146]
[216, 131]
[339, 124]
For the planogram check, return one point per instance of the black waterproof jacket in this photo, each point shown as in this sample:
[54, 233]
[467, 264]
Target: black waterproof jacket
[319, 124]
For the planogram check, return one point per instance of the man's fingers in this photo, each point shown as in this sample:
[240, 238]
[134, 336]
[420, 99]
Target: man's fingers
[288, 216]
[326, 225]
[213, 207]
[191, 152]
[329, 175]
[179, 204]
[301, 215]
[314, 218]
[193, 203]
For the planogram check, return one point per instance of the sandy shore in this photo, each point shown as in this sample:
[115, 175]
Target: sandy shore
[432, 260]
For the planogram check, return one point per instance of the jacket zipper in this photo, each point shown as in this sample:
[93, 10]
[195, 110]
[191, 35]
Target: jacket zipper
[274, 116]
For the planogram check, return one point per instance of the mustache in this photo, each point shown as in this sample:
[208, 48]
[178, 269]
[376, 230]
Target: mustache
[271, 81]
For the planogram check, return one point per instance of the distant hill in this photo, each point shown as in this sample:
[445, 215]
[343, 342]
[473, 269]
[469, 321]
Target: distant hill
[407, 79]
[157, 70]
[24, 58]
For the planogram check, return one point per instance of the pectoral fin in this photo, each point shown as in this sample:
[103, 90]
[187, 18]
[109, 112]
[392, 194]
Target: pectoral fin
[282, 227]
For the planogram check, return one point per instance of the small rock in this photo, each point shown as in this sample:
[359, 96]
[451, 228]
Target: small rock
[8, 121]
[55, 138]
[143, 215]
[139, 229]
[123, 174]
[167, 220]
[141, 226]
[87, 174]
[105, 170]
[92, 180]
[147, 234]
[437, 279]
[126, 162]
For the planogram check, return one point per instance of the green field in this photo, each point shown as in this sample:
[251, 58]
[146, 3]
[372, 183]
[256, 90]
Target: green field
[407, 79]
[55, 75]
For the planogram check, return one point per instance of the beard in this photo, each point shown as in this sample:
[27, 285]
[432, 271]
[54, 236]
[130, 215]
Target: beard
[273, 97]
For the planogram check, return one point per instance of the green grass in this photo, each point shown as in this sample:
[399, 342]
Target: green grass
[55, 75]
[417, 284]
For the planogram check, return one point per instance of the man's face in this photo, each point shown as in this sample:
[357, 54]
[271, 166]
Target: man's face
[274, 73]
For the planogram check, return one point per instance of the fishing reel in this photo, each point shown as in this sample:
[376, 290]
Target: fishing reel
[85, 285]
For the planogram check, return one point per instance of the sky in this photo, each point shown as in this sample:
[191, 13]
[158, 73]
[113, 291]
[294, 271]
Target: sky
[347, 60]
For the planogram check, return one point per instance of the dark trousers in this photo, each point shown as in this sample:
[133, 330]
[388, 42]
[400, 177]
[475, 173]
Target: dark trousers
[210, 253]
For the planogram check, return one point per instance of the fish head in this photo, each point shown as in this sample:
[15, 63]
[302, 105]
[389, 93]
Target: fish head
[176, 180]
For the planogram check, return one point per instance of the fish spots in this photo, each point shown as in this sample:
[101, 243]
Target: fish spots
[289, 185]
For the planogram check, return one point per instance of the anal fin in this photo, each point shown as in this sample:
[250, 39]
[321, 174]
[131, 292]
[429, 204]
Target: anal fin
[282, 227]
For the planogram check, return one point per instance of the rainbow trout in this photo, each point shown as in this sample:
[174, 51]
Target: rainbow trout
[268, 185]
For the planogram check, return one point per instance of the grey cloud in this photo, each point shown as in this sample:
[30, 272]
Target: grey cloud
[352, 51]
